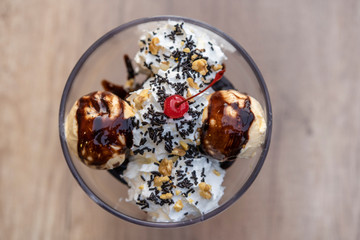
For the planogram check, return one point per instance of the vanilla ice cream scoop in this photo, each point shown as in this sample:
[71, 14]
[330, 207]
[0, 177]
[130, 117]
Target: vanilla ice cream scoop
[233, 123]
[99, 131]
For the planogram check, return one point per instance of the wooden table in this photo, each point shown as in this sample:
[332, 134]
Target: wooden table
[308, 52]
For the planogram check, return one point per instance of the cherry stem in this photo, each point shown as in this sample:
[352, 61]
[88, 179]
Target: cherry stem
[217, 78]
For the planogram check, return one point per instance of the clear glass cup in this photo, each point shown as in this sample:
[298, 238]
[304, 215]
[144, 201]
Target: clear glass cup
[104, 60]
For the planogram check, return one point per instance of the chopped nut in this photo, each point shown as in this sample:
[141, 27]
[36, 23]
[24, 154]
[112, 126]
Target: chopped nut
[200, 66]
[154, 47]
[140, 98]
[178, 205]
[177, 192]
[186, 50]
[184, 145]
[178, 151]
[192, 83]
[175, 158]
[165, 167]
[158, 181]
[190, 200]
[217, 67]
[166, 196]
[193, 57]
[151, 159]
[164, 66]
[154, 69]
[129, 83]
[216, 172]
[141, 187]
[206, 81]
[205, 190]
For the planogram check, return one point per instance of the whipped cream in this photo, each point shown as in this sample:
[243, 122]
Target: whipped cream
[179, 60]
[186, 177]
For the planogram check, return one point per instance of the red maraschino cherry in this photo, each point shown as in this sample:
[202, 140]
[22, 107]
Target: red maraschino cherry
[176, 106]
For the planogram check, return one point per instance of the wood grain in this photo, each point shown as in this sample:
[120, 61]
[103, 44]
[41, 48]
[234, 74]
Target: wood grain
[308, 52]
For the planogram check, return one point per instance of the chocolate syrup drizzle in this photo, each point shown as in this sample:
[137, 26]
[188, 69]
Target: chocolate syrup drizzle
[118, 90]
[230, 134]
[98, 137]
[115, 89]
[129, 67]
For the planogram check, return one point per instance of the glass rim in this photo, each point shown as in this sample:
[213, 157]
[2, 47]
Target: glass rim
[76, 70]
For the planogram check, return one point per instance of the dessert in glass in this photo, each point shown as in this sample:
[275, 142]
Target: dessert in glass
[165, 121]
